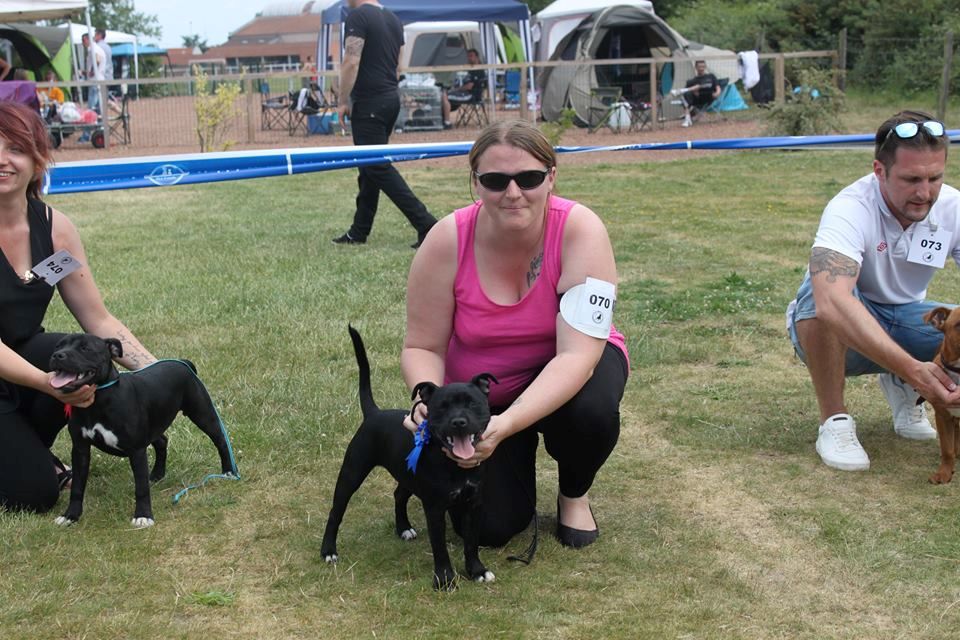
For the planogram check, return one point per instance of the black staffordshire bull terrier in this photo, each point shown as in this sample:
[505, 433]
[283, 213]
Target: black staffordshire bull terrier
[457, 416]
[129, 413]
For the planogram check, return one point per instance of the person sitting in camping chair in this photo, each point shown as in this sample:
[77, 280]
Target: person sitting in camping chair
[471, 90]
[701, 91]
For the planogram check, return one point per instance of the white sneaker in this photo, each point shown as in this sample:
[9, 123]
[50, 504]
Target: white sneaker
[838, 446]
[909, 418]
[686, 121]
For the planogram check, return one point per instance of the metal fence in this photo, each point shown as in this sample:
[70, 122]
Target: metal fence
[162, 113]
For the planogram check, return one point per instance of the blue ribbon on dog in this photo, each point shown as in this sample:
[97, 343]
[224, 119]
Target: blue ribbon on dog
[420, 439]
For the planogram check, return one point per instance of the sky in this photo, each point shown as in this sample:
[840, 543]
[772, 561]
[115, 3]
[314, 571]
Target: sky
[212, 20]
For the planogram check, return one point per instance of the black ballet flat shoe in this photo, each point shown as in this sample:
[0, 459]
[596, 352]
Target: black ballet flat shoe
[575, 538]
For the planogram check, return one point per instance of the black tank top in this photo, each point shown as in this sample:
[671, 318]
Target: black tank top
[24, 304]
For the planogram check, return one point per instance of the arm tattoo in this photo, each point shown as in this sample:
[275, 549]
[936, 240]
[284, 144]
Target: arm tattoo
[535, 266]
[354, 46]
[833, 263]
[134, 357]
[516, 402]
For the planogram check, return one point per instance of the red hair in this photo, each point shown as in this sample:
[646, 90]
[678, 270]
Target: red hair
[22, 126]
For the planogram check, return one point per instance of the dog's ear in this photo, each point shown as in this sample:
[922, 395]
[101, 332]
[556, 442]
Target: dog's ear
[424, 390]
[483, 380]
[116, 349]
[936, 317]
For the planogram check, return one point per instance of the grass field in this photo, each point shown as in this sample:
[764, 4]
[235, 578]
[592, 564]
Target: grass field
[717, 518]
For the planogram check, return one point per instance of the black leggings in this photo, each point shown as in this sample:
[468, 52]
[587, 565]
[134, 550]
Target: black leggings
[580, 436]
[28, 480]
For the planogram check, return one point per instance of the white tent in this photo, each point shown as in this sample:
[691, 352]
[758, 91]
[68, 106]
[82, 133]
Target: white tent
[31, 10]
[77, 32]
[559, 18]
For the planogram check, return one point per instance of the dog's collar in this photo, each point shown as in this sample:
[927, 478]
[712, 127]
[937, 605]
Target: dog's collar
[950, 368]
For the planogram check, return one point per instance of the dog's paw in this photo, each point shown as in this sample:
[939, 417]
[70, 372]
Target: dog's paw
[142, 523]
[64, 521]
[330, 558]
[445, 580]
[408, 534]
[486, 576]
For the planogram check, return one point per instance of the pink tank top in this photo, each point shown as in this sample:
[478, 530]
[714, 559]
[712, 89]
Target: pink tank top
[514, 341]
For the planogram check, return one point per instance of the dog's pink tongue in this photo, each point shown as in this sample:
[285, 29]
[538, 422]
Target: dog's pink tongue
[62, 379]
[463, 447]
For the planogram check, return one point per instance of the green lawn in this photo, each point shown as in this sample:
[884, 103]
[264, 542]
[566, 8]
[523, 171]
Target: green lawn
[717, 518]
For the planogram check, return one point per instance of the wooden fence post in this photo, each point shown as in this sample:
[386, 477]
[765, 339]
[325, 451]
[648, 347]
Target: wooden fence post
[842, 61]
[251, 109]
[945, 82]
[524, 106]
[653, 94]
[779, 79]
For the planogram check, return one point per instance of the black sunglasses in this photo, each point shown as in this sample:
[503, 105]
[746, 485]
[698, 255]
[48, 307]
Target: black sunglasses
[526, 180]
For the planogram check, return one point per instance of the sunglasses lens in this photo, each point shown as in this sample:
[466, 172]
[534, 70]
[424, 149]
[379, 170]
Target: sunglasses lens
[906, 130]
[934, 128]
[530, 179]
[500, 181]
[494, 181]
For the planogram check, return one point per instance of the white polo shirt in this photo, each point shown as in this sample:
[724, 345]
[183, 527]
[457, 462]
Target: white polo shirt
[858, 224]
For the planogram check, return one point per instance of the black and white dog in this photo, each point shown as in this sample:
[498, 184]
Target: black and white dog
[129, 413]
[457, 415]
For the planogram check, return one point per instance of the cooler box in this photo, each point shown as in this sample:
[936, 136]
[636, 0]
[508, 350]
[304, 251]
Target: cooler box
[320, 124]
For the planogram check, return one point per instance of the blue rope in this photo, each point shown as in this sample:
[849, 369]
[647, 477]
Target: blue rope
[420, 440]
[234, 474]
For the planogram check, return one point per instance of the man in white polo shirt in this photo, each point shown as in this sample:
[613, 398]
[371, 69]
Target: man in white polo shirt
[860, 307]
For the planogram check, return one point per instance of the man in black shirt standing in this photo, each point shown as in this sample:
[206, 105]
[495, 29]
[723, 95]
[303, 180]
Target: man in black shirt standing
[705, 89]
[368, 75]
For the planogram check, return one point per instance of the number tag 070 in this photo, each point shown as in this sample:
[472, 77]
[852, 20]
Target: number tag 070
[588, 307]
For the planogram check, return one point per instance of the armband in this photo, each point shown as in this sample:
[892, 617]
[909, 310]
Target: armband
[588, 307]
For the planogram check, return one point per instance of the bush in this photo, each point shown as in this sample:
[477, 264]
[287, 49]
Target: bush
[214, 111]
[812, 108]
[553, 131]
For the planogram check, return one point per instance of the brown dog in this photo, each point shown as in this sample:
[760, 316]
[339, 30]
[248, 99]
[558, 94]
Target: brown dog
[948, 421]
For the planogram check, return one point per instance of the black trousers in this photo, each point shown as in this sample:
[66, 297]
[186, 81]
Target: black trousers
[28, 480]
[371, 122]
[580, 436]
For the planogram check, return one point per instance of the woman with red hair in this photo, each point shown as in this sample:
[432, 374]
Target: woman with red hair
[31, 408]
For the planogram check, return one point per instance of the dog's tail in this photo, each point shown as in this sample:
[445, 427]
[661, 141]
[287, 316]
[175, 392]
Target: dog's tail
[367, 405]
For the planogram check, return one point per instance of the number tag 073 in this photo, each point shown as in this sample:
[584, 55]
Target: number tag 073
[930, 248]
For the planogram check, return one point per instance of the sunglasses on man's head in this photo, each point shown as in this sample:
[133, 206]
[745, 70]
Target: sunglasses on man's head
[907, 130]
[526, 180]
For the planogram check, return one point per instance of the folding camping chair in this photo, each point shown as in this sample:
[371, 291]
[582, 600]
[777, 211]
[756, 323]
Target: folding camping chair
[307, 102]
[474, 110]
[274, 112]
[119, 124]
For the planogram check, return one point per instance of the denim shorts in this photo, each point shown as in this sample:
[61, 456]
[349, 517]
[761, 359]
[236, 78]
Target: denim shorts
[902, 322]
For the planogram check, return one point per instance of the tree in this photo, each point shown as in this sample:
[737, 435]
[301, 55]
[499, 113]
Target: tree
[194, 41]
[121, 15]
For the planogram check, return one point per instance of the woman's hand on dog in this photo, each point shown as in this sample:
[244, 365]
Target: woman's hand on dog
[413, 419]
[82, 397]
[497, 429]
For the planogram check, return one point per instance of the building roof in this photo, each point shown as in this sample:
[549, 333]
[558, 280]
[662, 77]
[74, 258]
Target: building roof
[299, 50]
[277, 26]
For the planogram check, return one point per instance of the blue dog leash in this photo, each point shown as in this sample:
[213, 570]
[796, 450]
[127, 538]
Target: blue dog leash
[234, 474]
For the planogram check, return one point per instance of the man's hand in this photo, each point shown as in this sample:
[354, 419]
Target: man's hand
[935, 386]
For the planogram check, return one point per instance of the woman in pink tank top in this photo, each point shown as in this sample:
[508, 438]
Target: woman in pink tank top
[483, 296]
